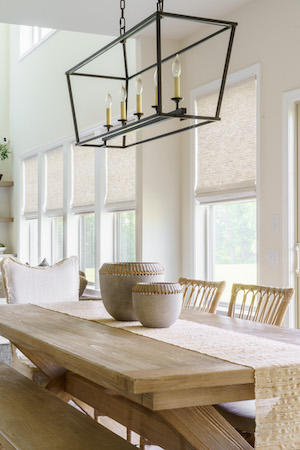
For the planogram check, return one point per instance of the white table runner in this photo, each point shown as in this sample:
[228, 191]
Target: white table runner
[276, 365]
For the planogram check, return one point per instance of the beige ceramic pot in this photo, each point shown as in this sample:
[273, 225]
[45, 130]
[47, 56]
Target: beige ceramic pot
[157, 305]
[117, 281]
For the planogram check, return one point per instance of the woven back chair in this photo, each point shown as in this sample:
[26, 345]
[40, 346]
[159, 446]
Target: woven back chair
[202, 295]
[259, 303]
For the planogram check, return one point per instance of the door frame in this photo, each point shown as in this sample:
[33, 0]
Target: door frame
[289, 199]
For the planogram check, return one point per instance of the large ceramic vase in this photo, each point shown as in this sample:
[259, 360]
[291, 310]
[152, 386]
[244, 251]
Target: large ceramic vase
[117, 281]
[157, 305]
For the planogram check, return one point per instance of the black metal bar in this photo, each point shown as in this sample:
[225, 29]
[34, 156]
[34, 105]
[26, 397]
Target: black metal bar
[143, 141]
[109, 77]
[146, 121]
[158, 62]
[127, 83]
[198, 19]
[190, 116]
[73, 108]
[119, 39]
[179, 52]
[170, 133]
[225, 71]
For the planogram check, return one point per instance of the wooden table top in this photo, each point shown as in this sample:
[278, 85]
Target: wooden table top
[128, 362]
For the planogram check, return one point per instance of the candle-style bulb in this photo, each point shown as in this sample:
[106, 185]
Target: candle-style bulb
[123, 103]
[123, 94]
[139, 86]
[155, 78]
[176, 67]
[108, 103]
[108, 100]
[139, 91]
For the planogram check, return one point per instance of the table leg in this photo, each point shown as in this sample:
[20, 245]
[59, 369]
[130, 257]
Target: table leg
[199, 427]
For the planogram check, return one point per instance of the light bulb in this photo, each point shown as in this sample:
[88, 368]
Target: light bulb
[176, 67]
[139, 86]
[155, 78]
[108, 100]
[123, 94]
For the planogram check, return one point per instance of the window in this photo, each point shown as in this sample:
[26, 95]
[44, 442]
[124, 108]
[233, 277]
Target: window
[30, 241]
[231, 242]
[86, 246]
[31, 37]
[83, 206]
[54, 171]
[226, 189]
[120, 201]
[75, 206]
[125, 236]
[30, 173]
[57, 239]
[55, 179]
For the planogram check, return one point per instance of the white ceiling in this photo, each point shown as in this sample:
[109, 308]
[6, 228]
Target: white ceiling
[102, 16]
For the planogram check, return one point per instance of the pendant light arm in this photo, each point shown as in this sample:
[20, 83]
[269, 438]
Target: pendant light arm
[160, 5]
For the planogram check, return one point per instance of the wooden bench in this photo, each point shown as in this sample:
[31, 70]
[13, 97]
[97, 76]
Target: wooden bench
[31, 418]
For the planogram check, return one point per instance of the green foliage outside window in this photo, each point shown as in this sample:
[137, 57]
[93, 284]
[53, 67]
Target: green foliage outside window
[235, 233]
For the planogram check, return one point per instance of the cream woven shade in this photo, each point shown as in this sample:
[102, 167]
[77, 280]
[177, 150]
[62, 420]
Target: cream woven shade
[226, 153]
[31, 185]
[55, 179]
[83, 176]
[121, 168]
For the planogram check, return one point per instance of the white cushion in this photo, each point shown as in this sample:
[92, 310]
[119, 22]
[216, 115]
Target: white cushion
[241, 415]
[37, 285]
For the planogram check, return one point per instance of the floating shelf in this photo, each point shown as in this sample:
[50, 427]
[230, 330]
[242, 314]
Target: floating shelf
[6, 183]
[6, 219]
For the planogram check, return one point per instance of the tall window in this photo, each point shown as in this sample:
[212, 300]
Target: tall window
[30, 210]
[226, 188]
[54, 203]
[83, 207]
[120, 201]
[124, 236]
[31, 37]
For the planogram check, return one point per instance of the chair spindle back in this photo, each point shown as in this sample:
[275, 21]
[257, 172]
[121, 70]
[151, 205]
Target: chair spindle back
[202, 295]
[259, 303]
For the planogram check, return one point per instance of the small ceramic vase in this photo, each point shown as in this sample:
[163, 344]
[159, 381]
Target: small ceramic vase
[157, 305]
[117, 281]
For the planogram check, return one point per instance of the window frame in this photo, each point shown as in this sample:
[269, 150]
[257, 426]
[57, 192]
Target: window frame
[201, 243]
[68, 212]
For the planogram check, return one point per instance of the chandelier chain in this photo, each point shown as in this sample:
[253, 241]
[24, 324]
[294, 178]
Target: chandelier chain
[160, 5]
[122, 18]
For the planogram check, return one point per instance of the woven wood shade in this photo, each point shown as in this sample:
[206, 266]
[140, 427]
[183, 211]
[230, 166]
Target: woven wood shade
[83, 176]
[121, 175]
[226, 150]
[31, 185]
[55, 179]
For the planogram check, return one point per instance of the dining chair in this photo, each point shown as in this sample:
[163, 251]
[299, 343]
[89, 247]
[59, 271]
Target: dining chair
[259, 303]
[38, 285]
[262, 304]
[201, 295]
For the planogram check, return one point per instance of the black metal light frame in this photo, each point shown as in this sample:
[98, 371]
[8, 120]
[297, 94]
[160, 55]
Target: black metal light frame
[159, 115]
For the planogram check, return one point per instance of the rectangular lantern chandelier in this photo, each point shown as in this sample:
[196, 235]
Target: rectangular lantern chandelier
[123, 134]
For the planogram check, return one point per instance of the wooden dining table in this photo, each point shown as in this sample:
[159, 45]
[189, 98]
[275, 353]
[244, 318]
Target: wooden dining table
[163, 392]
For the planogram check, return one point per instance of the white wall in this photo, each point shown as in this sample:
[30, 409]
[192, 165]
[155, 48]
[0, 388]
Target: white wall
[159, 186]
[40, 114]
[5, 166]
[268, 33]
[39, 104]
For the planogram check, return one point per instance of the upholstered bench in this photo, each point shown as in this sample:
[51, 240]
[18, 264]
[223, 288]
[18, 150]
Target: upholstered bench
[31, 418]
